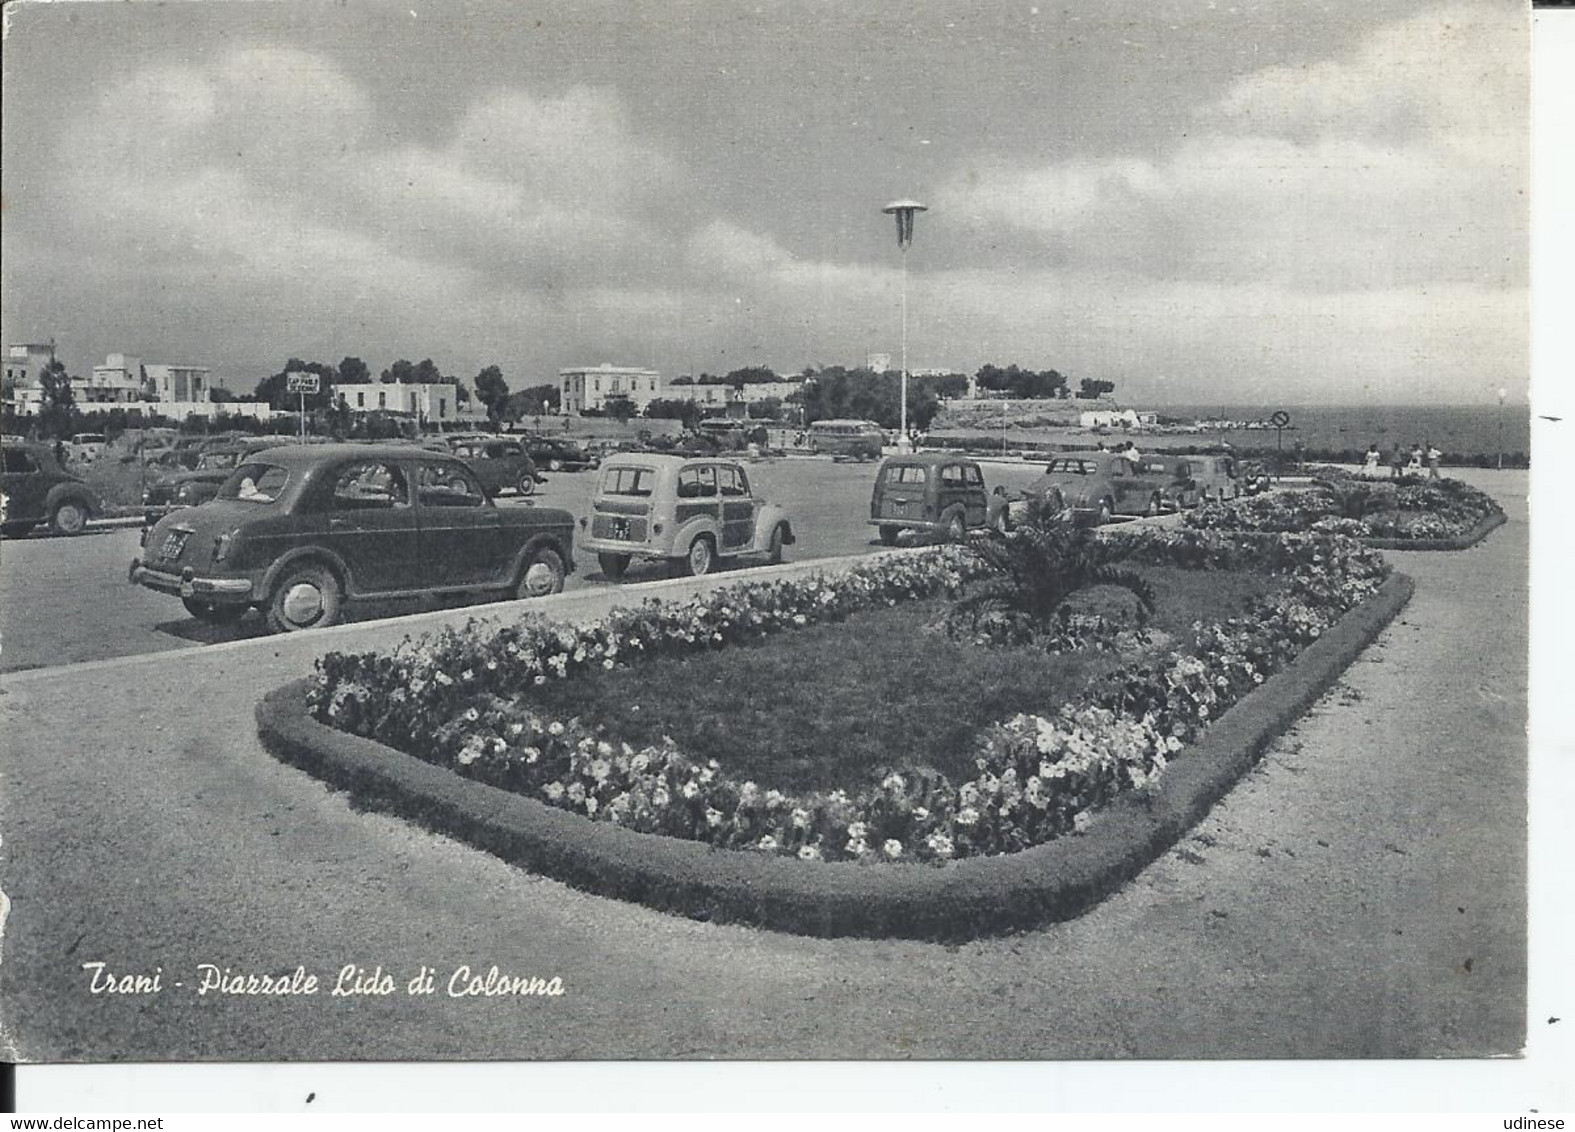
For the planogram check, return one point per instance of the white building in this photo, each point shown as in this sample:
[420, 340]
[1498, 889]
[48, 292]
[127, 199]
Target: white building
[588, 387]
[118, 381]
[435, 402]
[177, 382]
[24, 362]
[713, 396]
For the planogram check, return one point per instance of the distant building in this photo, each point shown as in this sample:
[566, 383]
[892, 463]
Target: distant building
[581, 388]
[177, 382]
[877, 363]
[24, 362]
[118, 381]
[436, 402]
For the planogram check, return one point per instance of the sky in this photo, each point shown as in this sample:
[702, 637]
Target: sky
[1201, 201]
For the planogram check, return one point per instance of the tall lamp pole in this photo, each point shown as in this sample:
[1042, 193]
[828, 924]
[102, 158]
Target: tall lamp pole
[904, 211]
[1503, 395]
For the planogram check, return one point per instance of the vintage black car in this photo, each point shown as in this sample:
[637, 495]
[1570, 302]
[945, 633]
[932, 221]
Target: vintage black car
[557, 454]
[38, 490]
[299, 531]
[500, 463]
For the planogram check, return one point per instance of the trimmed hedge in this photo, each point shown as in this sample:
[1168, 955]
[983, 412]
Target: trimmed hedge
[1476, 534]
[961, 900]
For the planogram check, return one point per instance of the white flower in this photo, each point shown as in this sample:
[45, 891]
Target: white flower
[800, 818]
[892, 848]
[1081, 820]
[608, 664]
[774, 798]
[768, 843]
[857, 831]
[967, 816]
[600, 769]
[471, 715]
[940, 844]
[809, 853]
[920, 813]
[590, 806]
[689, 790]
[553, 790]
[555, 728]
[894, 782]
[713, 817]
[532, 754]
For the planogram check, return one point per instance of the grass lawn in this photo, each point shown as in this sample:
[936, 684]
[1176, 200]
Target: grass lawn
[832, 705]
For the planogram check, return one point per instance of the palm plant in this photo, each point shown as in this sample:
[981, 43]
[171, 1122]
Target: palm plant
[1032, 571]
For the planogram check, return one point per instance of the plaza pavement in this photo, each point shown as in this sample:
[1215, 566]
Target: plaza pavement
[1361, 894]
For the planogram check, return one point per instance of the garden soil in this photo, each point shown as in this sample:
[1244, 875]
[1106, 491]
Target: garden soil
[1360, 894]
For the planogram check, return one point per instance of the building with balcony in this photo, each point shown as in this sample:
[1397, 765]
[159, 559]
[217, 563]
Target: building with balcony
[118, 381]
[588, 387]
[24, 362]
[434, 402]
[177, 382]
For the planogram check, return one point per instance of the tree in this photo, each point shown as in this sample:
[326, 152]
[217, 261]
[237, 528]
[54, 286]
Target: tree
[427, 373]
[493, 392]
[353, 371]
[533, 402]
[751, 375]
[765, 409]
[220, 395]
[674, 409]
[401, 371]
[274, 389]
[57, 401]
[1091, 388]
[620, 407]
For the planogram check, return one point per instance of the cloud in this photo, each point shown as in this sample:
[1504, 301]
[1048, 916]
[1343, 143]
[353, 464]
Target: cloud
[1401, 165]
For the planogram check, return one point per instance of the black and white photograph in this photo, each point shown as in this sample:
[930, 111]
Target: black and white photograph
[966, 531]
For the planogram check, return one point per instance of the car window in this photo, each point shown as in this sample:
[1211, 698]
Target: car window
[625, 480]
[697, 483]
[369, 485]
[732, 481]
[952, 475]
[973, 475]
[255, 482]
[18, 461]
[449, 484]
[906, 473]
[1068, 467]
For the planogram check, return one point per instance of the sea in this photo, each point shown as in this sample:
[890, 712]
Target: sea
[1466, 429]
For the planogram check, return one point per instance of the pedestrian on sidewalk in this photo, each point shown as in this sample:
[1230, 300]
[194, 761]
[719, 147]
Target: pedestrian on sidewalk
[1397, 462]
[1370, 464]
[1433, 457]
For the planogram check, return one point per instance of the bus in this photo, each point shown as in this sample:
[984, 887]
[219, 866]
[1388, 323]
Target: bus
[856, 439]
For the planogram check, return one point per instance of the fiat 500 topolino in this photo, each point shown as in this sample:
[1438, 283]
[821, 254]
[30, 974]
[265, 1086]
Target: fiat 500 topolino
[689, 511]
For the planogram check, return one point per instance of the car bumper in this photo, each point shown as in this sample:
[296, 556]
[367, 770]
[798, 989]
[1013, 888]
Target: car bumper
[909, 524]
[633, 549]
[188, 583]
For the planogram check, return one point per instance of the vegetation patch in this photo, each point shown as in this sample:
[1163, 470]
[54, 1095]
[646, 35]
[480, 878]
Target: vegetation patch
[1409, 512]
[470, 700]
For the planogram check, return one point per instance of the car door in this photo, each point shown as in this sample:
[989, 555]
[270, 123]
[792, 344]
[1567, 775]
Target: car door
[697, 498]
[738, 509]
[975, 502]
[953, 491]
[367, 519]
[24, 485]
[462, 538]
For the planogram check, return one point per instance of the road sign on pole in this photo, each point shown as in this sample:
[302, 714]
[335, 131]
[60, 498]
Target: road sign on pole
[302, 383]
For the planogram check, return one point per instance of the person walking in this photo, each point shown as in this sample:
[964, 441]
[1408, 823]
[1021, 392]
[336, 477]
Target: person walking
[1370, 464]
[1433, 457]
[1415, 465]
[1397, 462]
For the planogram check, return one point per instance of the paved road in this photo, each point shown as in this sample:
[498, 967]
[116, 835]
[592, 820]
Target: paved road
[1361, 895]
[67, 600]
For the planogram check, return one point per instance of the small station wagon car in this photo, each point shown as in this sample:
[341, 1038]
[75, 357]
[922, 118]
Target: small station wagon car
[1100, 485]
[299, 531]
[1212, 477]
[38, 490]
[930, 492]
[857, 440]
[687, 510]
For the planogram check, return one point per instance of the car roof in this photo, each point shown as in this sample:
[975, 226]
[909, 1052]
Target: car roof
[663, 459]
[298, 455]
[931, 458]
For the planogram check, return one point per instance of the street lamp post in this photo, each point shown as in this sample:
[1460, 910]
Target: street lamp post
[904, 211]
[1503, 395]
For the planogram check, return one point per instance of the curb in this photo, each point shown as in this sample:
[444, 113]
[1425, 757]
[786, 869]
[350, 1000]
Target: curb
[963, 900]
[1460, 542]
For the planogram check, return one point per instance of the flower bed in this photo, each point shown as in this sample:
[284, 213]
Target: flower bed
[1408, 513]
[461, 701]
[962, 900]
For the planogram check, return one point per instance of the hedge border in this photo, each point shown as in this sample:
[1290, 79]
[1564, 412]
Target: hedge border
[961, 900]
[1475, 535]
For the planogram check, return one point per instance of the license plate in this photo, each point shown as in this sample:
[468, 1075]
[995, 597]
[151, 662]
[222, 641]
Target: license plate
[174, 543]
[620, 529]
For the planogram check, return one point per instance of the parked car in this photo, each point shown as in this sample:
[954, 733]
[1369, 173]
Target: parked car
[931, 492]
[300, 531]
[1212, 477]
[87, 446]
[500, 463]
[177, 489]
[857, 440]
[557, 454]
[38, 490]
[689, 511]
[1101, 485]
[1010, 507]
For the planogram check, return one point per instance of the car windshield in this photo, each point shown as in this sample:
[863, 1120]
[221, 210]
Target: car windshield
[626, 480]
[255, 483]
[218, 459]
[906, 473]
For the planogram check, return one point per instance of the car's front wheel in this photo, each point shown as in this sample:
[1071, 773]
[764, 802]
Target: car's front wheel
[555, 465]
[774, 550]
[70, 518]
[526, 484]
[214, 613]
[613, 565]
[543, 574]
[307, 597]
[701, 559]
